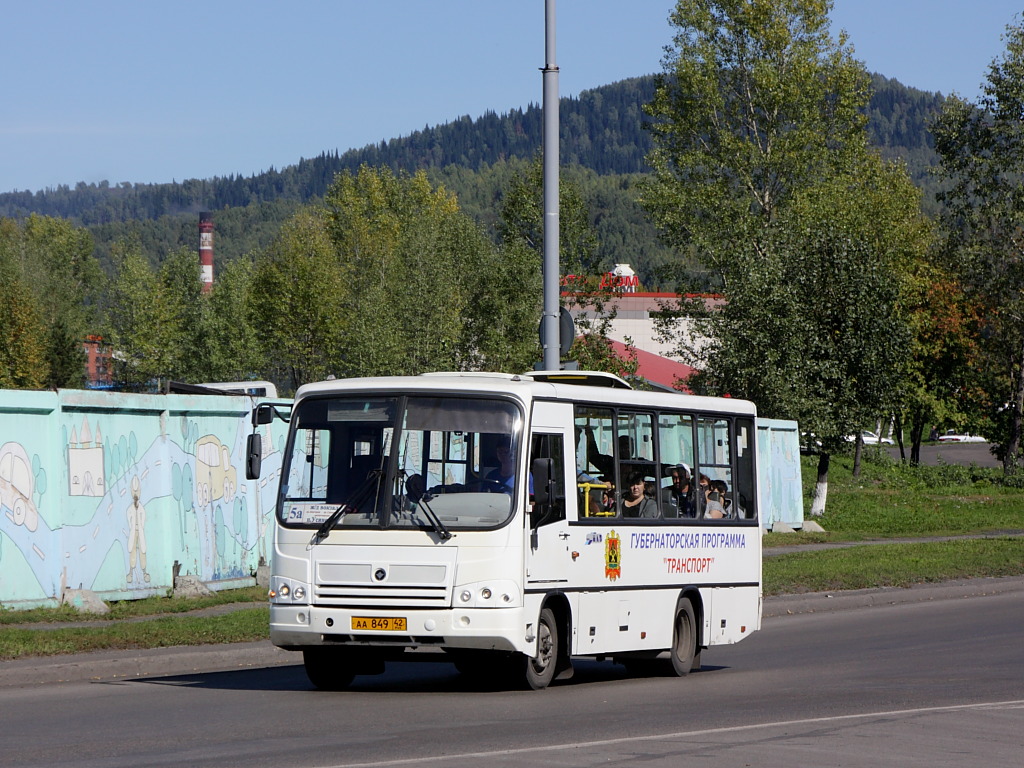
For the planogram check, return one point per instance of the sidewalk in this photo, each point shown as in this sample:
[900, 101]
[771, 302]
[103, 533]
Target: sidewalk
[124, 665]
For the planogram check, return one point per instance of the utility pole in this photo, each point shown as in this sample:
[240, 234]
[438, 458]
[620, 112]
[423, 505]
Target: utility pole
[549, 320]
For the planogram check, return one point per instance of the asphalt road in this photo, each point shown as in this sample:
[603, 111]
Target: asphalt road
[952, 453]
[863, 679]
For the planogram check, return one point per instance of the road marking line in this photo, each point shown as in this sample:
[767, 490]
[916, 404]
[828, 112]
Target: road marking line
[680, 734]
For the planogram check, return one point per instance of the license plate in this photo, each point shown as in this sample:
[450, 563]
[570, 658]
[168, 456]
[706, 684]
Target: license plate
[380, 623]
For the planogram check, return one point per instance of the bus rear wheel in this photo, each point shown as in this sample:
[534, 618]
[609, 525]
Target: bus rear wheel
[329, 669]
[684, 639]
[540, 669]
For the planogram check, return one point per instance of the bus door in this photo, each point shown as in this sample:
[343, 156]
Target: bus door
[549, 545]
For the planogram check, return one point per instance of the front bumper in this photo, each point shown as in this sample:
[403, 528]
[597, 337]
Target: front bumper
[502, 629]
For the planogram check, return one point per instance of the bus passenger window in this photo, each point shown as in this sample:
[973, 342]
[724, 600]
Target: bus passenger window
[743, 493]
[594, 443]
[714, 455]
[678, 459]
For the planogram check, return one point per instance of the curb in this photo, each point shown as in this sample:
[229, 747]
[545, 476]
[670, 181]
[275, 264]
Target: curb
[840, 600]
[115, 666]
[124, 666]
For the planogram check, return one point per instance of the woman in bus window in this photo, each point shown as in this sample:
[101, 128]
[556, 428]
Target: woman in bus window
[714, 508]
[635, 503]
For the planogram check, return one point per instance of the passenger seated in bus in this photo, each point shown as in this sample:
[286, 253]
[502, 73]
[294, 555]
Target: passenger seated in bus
[635, 503]
[715, 509]
[608, 500]
[723, 493]
[676, 499]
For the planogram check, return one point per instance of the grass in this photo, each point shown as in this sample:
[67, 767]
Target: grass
[891, 500]
[131, 609]
[892, 565]
[235, 627]
[887, 501]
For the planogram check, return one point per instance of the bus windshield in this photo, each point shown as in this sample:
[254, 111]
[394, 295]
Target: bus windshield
[433, 462]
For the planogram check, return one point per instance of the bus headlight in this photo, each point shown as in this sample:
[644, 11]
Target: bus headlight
[285, 591]
[493, 593]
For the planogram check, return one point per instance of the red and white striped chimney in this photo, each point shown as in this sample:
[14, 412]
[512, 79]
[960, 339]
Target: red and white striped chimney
[206, 251]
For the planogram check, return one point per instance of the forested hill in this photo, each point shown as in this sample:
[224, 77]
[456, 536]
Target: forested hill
[602, 130]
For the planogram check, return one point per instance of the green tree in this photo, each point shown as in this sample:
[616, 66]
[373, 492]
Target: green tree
[942, 385]
[852, 240]
[23, 364]
[54, 261]
[757, 102]
[234, 337]
[65, 355]
[981, 147]
[522, 219]
[428, 290]
[187, 333]
[761, 165]
[521, 226]
[300, 303]
[143, 321]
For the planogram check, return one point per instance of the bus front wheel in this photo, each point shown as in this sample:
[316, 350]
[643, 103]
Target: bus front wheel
[540, 670]
[328, 668]
[684, 639]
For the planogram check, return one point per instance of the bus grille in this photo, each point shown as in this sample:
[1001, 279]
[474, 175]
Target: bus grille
[404, 585]
[382, 596]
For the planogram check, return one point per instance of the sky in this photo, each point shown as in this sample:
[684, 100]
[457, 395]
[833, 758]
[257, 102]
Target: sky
[151, 92]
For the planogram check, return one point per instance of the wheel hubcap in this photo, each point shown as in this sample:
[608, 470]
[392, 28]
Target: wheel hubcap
[544, 648]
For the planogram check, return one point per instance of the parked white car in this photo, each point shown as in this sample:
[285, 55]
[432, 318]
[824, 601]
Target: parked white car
[960, 437]
[871, 438]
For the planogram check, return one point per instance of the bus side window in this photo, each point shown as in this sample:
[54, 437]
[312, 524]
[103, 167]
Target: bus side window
[717, 500]
[595, 462]
[636, 458]
[745, 497]
[550, 447]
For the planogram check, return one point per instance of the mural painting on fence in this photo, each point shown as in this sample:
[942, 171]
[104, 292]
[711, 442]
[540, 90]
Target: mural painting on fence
[144, 500]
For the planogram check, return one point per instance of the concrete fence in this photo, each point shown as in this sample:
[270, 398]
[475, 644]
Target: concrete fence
[120, 493]
[780, 483]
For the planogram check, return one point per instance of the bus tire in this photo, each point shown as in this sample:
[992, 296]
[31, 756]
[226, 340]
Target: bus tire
[684, 639]
[328, 668]
[540, 669]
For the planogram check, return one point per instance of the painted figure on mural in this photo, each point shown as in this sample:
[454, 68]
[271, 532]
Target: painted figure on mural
[136, 532]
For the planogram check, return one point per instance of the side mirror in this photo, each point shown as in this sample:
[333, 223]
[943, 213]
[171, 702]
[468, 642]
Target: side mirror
[262, 414]
[253, 455]
[542, 471]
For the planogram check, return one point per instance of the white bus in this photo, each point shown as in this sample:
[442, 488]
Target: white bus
[510, 523]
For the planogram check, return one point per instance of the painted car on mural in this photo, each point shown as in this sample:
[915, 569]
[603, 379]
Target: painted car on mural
[16, 484]
[215, 477]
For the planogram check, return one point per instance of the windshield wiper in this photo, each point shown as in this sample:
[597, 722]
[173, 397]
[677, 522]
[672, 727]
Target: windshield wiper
[361, 494]
[330, 522]
[439, 527]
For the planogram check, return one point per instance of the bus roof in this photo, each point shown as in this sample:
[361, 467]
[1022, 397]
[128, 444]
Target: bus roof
[574, 386]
